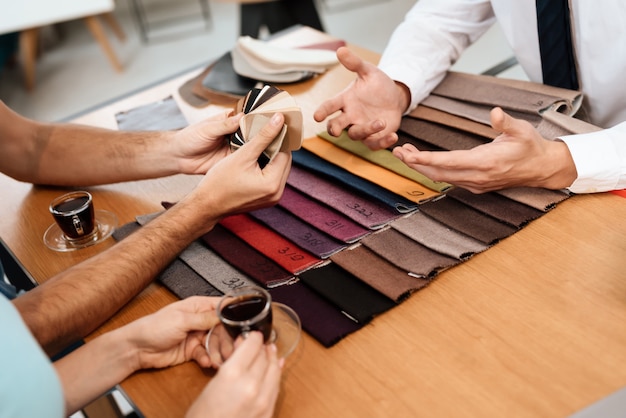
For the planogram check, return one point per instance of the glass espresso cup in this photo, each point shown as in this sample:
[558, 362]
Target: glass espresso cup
[247, 309]
[74, 214]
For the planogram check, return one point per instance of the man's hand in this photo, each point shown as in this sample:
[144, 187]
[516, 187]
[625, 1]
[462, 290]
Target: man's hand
[519, 156]
[371, 107]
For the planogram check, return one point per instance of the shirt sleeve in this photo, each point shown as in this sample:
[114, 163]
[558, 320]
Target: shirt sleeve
[29, 385]
[431, 38]
[600, 159]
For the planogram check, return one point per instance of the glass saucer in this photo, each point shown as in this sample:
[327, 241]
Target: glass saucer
[286, 329]
[106, 222]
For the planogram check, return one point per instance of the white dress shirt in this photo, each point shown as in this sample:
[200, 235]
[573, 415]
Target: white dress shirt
[435, 33]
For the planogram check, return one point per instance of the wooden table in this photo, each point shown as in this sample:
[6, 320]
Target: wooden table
[533, 327]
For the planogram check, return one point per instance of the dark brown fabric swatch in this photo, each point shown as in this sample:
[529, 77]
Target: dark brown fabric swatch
[383, 276]
[453, 121]
[441, 136]
[538, 198]
[467, 220]
[497, 206]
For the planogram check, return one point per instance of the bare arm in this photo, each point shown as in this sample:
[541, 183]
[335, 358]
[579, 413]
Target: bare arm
[79, 155]
[75, 302]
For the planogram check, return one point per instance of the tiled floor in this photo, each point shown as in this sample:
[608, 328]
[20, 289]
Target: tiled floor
[73, 73]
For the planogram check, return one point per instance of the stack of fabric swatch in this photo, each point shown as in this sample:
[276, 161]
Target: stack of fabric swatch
[357, 232]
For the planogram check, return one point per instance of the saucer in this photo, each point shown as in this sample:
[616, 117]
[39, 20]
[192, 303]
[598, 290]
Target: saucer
[106, 222]
[286, 329]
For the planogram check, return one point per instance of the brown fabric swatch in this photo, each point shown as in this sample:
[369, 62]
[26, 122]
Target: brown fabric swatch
[405, 138]
[383, 276]
[542, 199]
[498, 206]
[441, 136]
[453, 121]
[437, 236]
[407, 254]
[467, 220]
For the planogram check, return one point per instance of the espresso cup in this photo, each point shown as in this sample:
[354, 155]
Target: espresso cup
[74, 214]
[246, 309]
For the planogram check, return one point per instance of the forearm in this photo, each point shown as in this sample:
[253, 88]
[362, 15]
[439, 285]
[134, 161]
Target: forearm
[74, 303]
[94, 368]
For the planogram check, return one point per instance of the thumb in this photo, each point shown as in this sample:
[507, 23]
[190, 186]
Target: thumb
[506, 124]
[352, 61]
[257, 144]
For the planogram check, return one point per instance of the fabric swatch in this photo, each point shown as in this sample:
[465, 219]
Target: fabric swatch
[284, 252]
[400, 185]
[453, 121]
[467, 220]
[383, 158]
[383, 276]
[163, 115]
[437, 236]
[407, 254]
[245, 258]
[366, 212]
[318, 316]
[321, 216]
[354, 184]
[442, 136]
[498, 206]
[302, 234]
[352, 296]
[538, 198]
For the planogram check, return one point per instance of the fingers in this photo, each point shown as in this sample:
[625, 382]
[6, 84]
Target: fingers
[352, 61]
[508, 125]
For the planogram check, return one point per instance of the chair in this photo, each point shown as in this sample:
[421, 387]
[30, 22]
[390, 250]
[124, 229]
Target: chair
[28, 16]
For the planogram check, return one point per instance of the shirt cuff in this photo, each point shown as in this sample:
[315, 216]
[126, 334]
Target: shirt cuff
[597, 160]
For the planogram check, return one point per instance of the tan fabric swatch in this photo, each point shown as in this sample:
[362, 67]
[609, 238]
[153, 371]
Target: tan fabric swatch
[383, 276]
[407, 254]
[400, 185]
[437, 236]
[542, 199]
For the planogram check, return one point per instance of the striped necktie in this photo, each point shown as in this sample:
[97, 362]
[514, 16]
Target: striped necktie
[555, 44]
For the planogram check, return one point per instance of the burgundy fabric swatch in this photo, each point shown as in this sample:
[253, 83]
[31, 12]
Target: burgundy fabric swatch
[299, 232]
[542, 199]
[383, 276]
[407, 254]
[245, 258]
[467, 220]
[284, 252]
[321, 216]
[351, 295]
[440, 135]
[437, 236]
[371, 214]
[497, 206]
[318, 316]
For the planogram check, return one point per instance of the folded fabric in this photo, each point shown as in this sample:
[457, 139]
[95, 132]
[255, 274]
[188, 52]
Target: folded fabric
[467, 220]
[321, 216]
[246, 258]
[437, 236]
[400, 185]
[283, 251]
[162, 115]
[299, 232]
[383, 158]
[339, 175]
[321, 319]
[360, 208]
[352, 296]
[382, 275]
[270, 62]
[407, 254]
[221, 84]
[448, 119]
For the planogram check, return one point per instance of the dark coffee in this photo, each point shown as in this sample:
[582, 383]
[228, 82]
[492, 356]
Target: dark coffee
[74, 214]
[245, 314]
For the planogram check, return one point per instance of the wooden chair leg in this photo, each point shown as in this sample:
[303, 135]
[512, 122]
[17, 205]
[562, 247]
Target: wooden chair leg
[28, 52]
[110, 20]
[98, 32]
